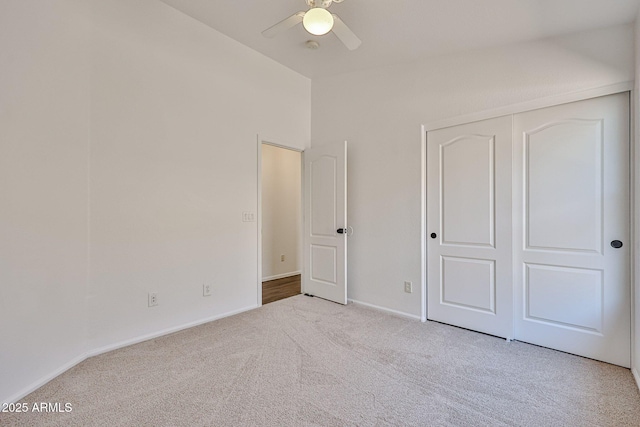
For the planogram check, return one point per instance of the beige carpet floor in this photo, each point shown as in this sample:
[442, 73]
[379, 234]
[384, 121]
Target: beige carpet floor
[306, 362]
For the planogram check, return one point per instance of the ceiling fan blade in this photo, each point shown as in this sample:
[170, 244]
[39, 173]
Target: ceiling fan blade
[346, 36]
[284, 25]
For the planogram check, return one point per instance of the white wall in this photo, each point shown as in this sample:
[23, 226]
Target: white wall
[44, 122]
[635, 360]
[176, 108]
[134, 129]
[281, 211]
[380, 113]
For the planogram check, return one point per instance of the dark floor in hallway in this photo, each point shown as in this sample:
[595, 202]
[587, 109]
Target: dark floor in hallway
[278, 289]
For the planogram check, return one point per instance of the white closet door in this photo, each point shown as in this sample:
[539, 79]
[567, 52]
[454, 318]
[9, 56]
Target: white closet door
[571, 201]
[469, 226]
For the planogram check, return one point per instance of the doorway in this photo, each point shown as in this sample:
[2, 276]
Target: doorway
[281, 222]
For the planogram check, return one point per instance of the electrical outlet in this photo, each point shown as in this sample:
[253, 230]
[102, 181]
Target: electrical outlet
[248, 217]
[153, 299]
[281, 258]
[206, 290]
[408, 287]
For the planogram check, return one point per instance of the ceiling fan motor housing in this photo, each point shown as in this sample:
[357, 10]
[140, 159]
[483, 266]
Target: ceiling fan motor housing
[321, 3]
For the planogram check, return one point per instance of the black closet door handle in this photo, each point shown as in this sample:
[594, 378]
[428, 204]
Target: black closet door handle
[434, 235]
[617, 244]
[341, 230]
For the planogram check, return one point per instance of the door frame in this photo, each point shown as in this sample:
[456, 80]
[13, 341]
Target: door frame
[269, 141]
[634, 184]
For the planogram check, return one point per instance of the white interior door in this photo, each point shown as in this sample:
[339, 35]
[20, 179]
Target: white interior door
[325, 222]
[571, 178]
[469, 226]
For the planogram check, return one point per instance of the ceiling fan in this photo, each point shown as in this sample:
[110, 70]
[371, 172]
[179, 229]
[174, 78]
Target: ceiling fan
[317, 21]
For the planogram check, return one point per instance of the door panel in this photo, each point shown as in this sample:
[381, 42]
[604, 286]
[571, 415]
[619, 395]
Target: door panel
[572, 150]
[323, 213]
[473, 224]
[325, 207]
[564, 296]
[468, 283]
[324, 264]
[571, 193]
[469, 211]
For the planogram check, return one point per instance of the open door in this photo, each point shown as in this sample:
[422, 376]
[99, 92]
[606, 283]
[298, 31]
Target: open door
[325, 222]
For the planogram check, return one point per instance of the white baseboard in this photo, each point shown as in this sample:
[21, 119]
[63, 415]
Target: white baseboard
[163, 332]
[281, 276]
[42, 381]
[636, 375]
[45, 379]
[388, 310]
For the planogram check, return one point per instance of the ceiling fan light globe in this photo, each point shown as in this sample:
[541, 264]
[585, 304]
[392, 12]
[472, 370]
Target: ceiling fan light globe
[317, 21]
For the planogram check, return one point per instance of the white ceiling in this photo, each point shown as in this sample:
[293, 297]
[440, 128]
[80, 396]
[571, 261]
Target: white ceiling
[396, 31]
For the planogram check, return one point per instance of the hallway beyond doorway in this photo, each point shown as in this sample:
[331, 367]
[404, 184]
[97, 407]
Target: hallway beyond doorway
[274, 290]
